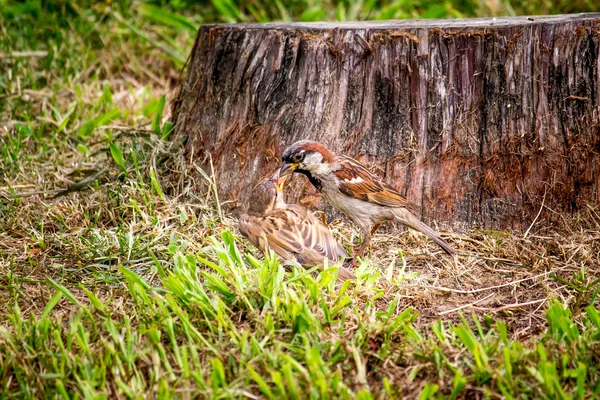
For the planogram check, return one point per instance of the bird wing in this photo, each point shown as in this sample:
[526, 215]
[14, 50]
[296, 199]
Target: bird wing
[358, 182]
[266, 232]
[292, 232]
[317, 240]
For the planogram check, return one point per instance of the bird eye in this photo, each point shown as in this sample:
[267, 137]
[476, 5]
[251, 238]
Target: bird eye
[298, 157]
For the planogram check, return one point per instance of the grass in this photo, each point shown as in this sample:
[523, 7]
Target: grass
[219, 322]
[118, 280]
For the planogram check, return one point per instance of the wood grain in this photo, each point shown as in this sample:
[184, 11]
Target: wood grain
[473, 120]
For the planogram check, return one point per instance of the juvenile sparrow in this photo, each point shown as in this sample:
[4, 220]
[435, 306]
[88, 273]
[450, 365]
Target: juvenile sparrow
[294, 233]
[351, 188]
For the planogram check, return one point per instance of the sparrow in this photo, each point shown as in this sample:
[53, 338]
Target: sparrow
[351, 188]
[293, 232]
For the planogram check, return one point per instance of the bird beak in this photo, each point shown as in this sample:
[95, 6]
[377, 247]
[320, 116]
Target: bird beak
[281, 181]
[287, 169]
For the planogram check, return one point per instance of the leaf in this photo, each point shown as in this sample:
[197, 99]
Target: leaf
[158, 111]
[52, 303]
[132, 277]
[228, 10]
[69, 295]
[83, 150]
[117, 155]
[105, 118]
[218, 373]
[155, 184]
[166, 130]
[229, 240]
[435, 11]
[315, 13]
[95, 301]
[50, 375]
[87, 128]
[264, 388]
[63, 124]
[64, 291]
[429, 391]
[593, 315]
[163, 17]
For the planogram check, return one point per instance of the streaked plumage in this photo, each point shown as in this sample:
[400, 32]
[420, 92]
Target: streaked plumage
[354, 190]
[294, 233]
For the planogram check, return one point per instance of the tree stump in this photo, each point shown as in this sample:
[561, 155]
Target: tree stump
[478, 122]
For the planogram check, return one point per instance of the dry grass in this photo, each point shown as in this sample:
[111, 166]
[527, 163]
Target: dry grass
[498, 274]
[120, 289]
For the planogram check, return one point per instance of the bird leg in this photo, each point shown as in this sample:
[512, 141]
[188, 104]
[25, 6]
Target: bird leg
[358, 250]
[373, 230]
[375, 227]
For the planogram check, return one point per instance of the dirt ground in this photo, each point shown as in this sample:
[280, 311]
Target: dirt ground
[503, 275]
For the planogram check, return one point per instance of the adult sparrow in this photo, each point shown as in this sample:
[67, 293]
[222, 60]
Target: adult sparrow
[351, 188]
[294, 233]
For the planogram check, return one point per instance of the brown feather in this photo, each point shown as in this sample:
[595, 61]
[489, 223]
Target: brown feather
[328, 156]
[356, 181]
[292, 233]
[345, 274]
[351, 181]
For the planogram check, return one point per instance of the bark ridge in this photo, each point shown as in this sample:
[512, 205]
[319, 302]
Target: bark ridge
[476, 121]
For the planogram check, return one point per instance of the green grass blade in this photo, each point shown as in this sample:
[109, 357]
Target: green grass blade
[52, 303]
[158, 111]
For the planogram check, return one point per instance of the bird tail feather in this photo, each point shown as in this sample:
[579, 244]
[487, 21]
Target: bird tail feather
[404, 216]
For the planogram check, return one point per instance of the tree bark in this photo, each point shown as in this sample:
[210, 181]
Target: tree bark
[478, 122]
